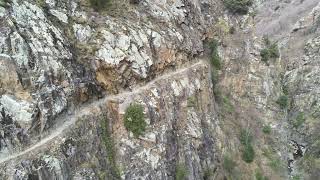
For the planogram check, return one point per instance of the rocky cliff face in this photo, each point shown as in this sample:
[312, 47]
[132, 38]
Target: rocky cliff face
[69, 72]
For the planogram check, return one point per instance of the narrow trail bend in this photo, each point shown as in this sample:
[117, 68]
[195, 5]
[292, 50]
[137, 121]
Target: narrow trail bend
[82, 111]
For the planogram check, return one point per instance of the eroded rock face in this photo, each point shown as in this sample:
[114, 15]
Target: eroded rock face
[40, 74]
[177, 133]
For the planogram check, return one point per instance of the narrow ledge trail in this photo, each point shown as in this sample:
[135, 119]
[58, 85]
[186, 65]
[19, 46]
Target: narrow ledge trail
[86, 110]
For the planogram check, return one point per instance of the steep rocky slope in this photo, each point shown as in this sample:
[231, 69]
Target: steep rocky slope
[70, 71]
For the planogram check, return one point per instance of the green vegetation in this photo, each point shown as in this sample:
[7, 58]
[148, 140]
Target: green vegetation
[253, 13]
[311, 160]
[245, 137]
[275, 162]
[223, 27]
[191, 101]
[300, 119]
[181, 172]
[260, 176]
[109, 145]
[215, 58]
[215, 62]
[238, 6]
[41, 3]
[285, 90]
[228, 164]
[266, 129]
[134, 120]
[4, 3]
[232, 30]
[208, 173]
[227, 104]
[99, 5]
[270, 52]
[248, 153]
[283, 101]
[214, 77]
[296, 177]
[265, 55]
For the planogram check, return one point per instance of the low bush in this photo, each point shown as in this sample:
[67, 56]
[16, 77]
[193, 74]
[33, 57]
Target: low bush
[214, 77]
[271, 51]
[265, 55]
[300, 119]
[274, 50]
[109, 147]
[227, 105]
[296, 177]
[275, 164]
[245, 137]
[99, 5]
[248, 153]
[283, 101]
[134, 120]
[191, 101]
[285, 90]
[232, 30]
[260, 176]
[215, 58]
[266, 129]
[5, 3]
[208, 174]
[228, 164]
[238, 6]
[135, 1]
[181, 172]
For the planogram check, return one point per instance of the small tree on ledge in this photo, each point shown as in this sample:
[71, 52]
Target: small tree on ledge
[134, 120]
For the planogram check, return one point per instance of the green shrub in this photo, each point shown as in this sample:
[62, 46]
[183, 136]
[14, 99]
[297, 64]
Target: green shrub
[275, 163]
[232, 30]
[283, 102]
[285, 90]
[265, 55]
[181, 172]
[299, 120]
[245, 137]
[215, 58]
[271, 50]
[266, 129]
[191, 101]
[274, 51]
[228, 164]
[296, 177]
[99, 5]
[134, 120]
[5, 3]
[109, 145]
[215, 62]
[214, 76]
[248, 153]
[266, 41]
[208, 174]
[238, 6]
[260, 176]
[227, 104]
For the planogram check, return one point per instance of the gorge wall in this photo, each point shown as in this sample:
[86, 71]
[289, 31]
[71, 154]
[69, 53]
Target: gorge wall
[70, 71]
